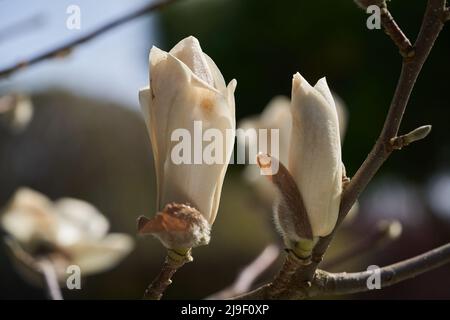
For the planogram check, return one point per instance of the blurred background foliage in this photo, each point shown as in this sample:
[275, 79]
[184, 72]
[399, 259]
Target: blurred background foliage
[99, 151]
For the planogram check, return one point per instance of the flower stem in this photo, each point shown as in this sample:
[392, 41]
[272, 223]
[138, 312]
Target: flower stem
[51, 279]
[174, 261]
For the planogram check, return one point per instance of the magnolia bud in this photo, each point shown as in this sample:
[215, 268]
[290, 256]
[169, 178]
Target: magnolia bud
[187, 88]
[315, 153]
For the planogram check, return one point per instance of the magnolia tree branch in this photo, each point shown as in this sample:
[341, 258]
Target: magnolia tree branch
[390, 26]
[325, 283]
[65, 49]
[435, 15]
[173, 262]
[346, 283]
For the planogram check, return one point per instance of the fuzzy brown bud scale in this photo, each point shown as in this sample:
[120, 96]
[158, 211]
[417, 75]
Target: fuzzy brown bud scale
[177, 226]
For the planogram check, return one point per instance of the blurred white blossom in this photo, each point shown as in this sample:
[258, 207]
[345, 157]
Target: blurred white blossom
[65, 232]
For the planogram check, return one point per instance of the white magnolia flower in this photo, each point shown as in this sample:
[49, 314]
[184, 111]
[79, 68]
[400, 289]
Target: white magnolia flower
[186, 86]
[277, 115]
[66, 232]
[315, 153]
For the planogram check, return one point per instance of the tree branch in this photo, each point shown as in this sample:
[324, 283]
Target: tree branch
[347, 283]
[174, 261]
[326, 283]
[65, 49]
[390, 26]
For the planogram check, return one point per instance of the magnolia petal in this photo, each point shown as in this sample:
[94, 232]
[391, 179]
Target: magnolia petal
[79, 220]
[29, 217]
[190, 53]
[93, 256]
[334, 100]
[199, 184]
[322, 87]
[169, 79]
[219, 81]
[315, 154]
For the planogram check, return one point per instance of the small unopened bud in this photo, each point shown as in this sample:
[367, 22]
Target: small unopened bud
[177, 226]
[415, 135]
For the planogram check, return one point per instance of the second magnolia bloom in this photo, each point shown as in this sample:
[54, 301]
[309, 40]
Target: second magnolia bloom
[315, 153]
[186, 86]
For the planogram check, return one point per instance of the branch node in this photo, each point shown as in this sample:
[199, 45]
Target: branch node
[282, 279]
[396, 34]
[175, 259]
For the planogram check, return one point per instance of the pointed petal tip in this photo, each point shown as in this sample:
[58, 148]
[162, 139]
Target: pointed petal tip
[191, 39]
[322, 81]
[298, 82]
[232, 85]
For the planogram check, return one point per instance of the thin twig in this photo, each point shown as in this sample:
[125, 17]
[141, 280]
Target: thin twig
[65, 49]
[396, 34]
[325, 283]
[172, 263]
[51, 279]
[390, 26]
[249, 274]
[347, 283]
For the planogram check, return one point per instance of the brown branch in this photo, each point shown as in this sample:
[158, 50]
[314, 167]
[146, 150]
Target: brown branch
[325, 283]
[278, 288]
[346, 283]
[249, 274]
[65, 49]
[173, 262]
[431, 26]
[395, 33]
[390, 27]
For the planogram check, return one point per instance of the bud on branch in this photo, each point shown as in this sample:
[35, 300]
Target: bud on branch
[420, 133]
